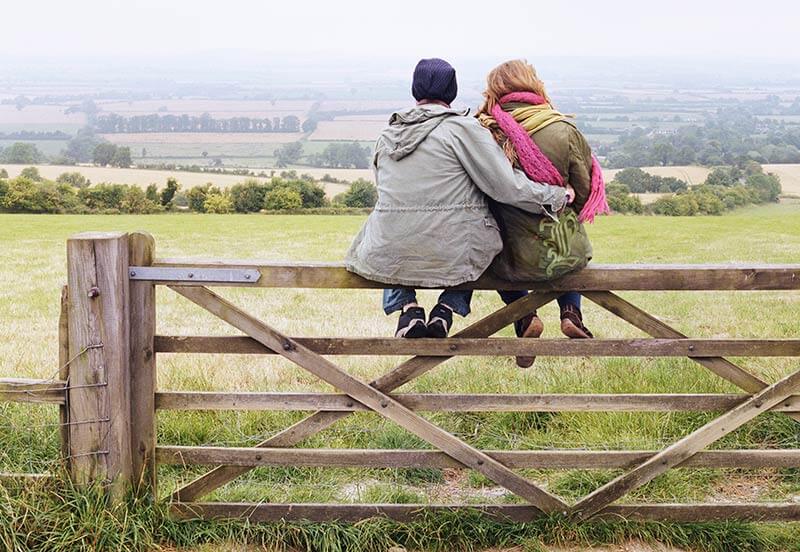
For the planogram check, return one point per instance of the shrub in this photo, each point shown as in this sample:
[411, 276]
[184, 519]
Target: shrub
[21, 153]
[103, 196]
[135, 202]
[28, 196]
[217, 203]
[168, 193]
[31, 173]
[74, 179]
[197, 196]
[620, 201]
[248, 197]
[282, 198]
[361, 193]
[3, 173]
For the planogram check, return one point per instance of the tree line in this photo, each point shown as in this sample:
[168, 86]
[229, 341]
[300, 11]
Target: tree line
[113, 123]
[73, 193]
[724, 189]
[729, 137]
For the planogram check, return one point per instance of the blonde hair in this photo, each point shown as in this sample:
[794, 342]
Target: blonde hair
[516, 75]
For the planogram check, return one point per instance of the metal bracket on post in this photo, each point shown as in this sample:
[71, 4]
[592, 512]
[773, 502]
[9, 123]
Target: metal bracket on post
[186, 275]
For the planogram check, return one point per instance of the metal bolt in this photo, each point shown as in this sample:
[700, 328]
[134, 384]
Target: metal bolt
[691, 347]
[480, 462]
[349, 404]
[191, 275]
[133, 273]
[758, 404]
[93, 292]
[453, 347]
[384, 404]
[247, 276]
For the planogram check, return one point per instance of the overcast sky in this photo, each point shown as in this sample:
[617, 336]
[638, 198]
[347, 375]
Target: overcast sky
[404, 28]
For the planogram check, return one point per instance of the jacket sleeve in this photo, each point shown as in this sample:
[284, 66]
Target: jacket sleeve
[580, 169]
[489, 168]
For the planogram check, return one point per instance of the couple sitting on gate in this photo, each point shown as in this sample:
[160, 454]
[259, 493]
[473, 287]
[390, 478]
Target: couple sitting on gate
[504, 192]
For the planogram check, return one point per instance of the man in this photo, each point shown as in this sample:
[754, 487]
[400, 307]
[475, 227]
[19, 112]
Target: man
[431, 227]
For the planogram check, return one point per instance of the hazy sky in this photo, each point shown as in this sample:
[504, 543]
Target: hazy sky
[404, 28]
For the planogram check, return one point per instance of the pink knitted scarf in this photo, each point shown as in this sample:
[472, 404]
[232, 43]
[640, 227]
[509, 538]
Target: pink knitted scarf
[536, 164]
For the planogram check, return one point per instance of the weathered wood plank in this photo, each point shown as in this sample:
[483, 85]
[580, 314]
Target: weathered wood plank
[687, 447]
[594, 277]
[99, 381]
[256, 513]
[63, 373]
[539, 459]
[23, 390]
[397, 377]
[658, 329]
[142, 365]
[373, 398]
[456, 402]
[374, 346]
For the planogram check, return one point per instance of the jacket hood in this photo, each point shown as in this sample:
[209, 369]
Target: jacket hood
[409, 128]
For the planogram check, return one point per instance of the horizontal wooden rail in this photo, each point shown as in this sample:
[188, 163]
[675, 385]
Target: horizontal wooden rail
[415, 458]
[498, 346]
[32, 391]
[508, 512]
[24, 477]
[454, 402]
[595, 277]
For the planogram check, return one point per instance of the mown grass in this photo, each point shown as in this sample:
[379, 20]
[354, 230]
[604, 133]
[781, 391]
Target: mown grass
[32, 269]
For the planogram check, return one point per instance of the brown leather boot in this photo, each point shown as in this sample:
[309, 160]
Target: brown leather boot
[528, 326]
[572, 323]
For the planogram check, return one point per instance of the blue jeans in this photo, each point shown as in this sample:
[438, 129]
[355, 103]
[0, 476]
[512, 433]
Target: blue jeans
[459, 299]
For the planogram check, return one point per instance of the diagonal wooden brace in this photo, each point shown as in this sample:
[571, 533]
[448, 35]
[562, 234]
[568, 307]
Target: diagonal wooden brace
[687, 447]
[390, 381]
[373, 398]
[656, 328]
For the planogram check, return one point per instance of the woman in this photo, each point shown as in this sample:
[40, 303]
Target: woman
[548, 147]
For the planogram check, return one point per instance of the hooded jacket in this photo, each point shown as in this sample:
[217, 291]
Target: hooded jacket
[432, 227]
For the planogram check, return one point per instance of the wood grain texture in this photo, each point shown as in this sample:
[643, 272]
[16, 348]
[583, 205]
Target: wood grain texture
[25, 390]
[400, 375]
[257, 513]
[141, 251]
[99, 377]
[373, 398]
[540, 459]
[380, 346]
[594, 277]
[456, 402]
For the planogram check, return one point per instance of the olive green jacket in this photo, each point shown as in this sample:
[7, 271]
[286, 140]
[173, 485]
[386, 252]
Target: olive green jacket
[435, 170]
[536, 248]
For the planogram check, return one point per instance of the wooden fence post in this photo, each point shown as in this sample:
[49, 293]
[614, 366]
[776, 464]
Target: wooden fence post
[63, 372]
[99, 367]
[143, 365]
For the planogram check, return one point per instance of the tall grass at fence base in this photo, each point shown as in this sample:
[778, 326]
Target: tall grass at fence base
[55, 516]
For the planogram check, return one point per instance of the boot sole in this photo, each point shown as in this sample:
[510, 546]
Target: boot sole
[534, 330]
[569, 329]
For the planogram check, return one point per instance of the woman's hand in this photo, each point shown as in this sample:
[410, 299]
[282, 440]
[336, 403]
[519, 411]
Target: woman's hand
[570, 194]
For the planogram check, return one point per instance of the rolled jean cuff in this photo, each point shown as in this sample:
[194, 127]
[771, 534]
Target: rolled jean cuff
[457, 299]
[397, 298]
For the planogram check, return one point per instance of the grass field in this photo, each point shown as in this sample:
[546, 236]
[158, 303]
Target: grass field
[33, 269]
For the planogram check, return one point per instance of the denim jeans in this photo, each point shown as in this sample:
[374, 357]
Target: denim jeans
[459, 299]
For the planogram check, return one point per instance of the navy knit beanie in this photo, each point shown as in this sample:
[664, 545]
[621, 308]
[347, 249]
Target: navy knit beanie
[434, 79]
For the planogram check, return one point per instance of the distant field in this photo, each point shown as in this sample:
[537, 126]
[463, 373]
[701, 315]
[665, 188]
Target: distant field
[788, 173]
[348, 130]
[144, 177]
[690, 173]
[39, 117]
[203, 137]
[47, 147]
[223, 109]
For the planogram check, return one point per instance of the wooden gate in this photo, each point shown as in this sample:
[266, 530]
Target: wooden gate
[111, 335]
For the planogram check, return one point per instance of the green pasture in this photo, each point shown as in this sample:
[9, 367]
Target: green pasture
[32, 270]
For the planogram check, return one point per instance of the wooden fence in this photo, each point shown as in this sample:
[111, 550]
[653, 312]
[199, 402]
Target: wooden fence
[108, 396]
